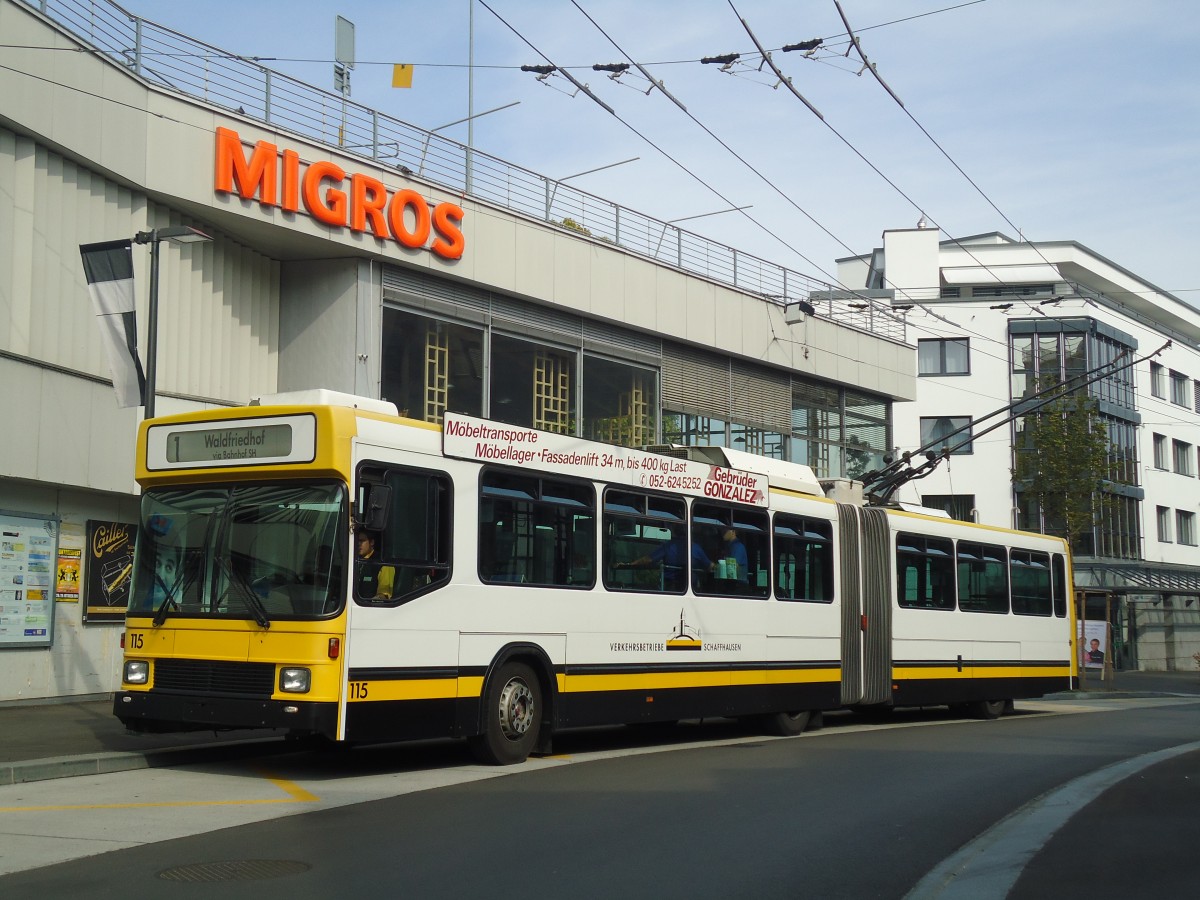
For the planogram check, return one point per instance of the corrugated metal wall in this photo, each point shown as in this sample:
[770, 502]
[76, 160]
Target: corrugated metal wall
[218, 302]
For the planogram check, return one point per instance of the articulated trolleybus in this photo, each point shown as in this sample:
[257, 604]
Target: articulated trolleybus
[320, 565]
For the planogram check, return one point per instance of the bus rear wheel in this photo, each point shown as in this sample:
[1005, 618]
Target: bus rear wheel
[512, 712]
[786, 724]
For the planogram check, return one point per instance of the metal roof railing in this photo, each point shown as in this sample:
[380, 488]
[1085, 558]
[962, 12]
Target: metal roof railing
[176, 62]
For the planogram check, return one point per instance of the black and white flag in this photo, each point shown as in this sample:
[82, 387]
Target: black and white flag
[109, 270]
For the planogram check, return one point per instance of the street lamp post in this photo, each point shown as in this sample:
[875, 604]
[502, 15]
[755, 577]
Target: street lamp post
[177, 234]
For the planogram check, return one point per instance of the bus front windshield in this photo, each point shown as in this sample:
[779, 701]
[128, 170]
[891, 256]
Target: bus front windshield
[243, 551]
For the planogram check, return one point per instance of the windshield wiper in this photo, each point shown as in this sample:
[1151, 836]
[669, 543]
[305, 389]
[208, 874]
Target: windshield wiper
[247, 593]
[169, 600]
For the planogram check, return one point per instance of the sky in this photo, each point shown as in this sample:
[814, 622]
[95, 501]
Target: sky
[1074, 119]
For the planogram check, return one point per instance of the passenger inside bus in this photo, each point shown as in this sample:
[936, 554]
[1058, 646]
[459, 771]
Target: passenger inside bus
[671, 556]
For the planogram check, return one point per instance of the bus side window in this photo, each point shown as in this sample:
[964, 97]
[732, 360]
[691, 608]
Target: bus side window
[415, 542]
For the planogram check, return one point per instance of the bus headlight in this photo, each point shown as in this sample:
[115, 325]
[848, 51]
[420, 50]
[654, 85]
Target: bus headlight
[136, 672]
[295, 681]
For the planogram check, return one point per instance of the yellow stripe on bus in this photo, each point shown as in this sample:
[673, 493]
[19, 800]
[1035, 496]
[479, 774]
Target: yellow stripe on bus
[472, 686]
[940, 673]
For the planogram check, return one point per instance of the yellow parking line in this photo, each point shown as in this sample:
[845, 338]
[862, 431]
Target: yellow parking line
[296, 794]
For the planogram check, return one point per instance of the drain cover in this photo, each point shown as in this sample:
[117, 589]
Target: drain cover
[234, 870]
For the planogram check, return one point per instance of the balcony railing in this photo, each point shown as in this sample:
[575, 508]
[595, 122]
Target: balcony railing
[175, 62]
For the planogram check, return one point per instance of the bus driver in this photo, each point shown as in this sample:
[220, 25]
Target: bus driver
[375, 581]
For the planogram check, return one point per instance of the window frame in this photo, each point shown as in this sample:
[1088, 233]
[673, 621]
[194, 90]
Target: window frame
[942, 596]
[1185, 528]
[942, 357]
[1181, 457]
[436, 569]
[746, 521]
[994, 557]
[1158, 381]
[534, 493]
[1163, 521]
[807, 532]
[642, 515]
[967, 449]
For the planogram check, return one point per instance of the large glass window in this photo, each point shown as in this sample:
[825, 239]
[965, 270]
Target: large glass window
[256, 551]
[1042, 360]
[803, 559]
[924, 572]
[838, 433]
[431, 367]
[982, 578]
[760, 441]
[645, 542]
[620, 402]
[538, 531]
[732, 552]
[693, 431]
[532, 385]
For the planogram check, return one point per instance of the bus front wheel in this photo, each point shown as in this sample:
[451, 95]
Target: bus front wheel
[990, 709]
[512, 713]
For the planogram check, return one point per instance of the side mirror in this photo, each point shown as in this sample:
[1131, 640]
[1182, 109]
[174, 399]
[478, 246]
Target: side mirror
[378, 504]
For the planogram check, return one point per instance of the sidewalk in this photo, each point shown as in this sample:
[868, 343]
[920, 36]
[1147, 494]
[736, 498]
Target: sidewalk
[56, 739]
[60, 738]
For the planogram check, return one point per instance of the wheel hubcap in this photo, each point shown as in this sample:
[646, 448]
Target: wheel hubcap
[516, 709]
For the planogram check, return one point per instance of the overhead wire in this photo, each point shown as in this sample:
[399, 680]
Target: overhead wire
[660, 149]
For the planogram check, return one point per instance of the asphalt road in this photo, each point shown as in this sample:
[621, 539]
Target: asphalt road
[852, 811]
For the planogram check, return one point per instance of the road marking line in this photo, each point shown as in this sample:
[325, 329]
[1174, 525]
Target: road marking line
[988, 867]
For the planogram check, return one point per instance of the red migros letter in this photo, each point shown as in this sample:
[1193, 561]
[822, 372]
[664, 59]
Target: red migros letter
[450, 243]
[367, 199]
[258, 176]
[330, 209]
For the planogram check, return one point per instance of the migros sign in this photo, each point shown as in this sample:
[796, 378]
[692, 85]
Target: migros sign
[331, 195]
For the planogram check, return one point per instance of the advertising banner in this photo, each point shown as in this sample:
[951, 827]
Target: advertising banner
[109, 571]
[543, 451]
[1093, 644]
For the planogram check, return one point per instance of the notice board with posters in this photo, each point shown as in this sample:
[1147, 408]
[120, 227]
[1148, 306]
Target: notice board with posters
[109, 567]
[28, 557]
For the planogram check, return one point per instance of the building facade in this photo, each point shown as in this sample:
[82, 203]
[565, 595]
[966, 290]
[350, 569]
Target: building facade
[995, 322]
[355, 253]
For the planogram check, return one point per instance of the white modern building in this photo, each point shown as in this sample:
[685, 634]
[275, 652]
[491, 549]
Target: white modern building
[992, 319]
[353, 252]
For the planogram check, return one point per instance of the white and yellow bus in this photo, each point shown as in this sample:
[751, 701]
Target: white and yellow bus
[521, 582]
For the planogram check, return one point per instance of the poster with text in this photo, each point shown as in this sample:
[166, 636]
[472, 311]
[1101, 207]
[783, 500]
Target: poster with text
[1093, 644]
[109, 571]
[67, 590]
[28, 551]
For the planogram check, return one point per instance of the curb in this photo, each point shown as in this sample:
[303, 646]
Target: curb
[31, 770]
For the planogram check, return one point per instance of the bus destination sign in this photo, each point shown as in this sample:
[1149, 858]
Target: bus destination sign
[470, 438]
[255, 442]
